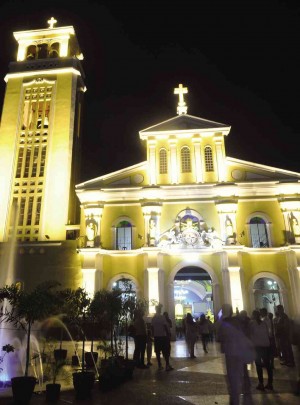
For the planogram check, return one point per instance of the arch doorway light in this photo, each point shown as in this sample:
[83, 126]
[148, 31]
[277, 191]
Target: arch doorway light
[267, 294]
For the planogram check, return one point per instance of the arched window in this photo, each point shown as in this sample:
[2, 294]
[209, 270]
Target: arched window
[31, 52]
[124, 236]
[43, 51]
[185, 160]
[258, 232]
[163, 164]
[208, 157]
[267, 294]
[54, 50]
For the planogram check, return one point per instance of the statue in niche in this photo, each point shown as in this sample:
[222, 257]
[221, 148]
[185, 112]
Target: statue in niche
[228, 227]
[91, 228]
[152, 232]
[295, 224]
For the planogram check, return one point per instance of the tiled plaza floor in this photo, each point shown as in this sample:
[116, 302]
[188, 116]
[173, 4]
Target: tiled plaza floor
[199, 381]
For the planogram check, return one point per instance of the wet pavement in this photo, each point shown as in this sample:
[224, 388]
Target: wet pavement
[199, 381]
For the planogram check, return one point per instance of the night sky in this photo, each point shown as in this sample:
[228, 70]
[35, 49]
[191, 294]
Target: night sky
[239, 59]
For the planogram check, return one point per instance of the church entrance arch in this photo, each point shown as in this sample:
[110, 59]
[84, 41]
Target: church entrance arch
[193, 293]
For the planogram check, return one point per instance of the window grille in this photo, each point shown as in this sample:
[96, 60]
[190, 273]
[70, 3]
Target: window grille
[209, 164]
[163, 164]
[185, 160]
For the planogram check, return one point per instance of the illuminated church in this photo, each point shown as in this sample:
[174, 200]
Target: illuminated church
[190, 227]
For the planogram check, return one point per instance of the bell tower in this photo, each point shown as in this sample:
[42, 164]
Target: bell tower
[40, 135]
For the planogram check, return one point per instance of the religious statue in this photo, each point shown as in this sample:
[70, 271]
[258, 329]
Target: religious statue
[228, 226]
[295, 225]
[152, 232]
[91, 228]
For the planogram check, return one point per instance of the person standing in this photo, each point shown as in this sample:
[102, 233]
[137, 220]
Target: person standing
[140, 339]
[160, 330]
[191, 334]
[283, 334]
[259, 335]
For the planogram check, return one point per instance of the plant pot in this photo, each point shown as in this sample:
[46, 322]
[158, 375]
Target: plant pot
[60, 354]
[83, 382]
[22, 389]
[75, 360]
[91, 359]
[52, 392]
[129, 367]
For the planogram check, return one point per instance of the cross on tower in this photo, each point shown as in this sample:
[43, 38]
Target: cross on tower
[182, 107]
[51, 22]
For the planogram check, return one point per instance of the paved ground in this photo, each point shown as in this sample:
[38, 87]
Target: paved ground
[200, 381]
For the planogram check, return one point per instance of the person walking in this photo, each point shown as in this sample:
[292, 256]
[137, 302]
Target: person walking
[191, 332]
[140, 339]
[160, 330]
[259, 335]
[203, 328]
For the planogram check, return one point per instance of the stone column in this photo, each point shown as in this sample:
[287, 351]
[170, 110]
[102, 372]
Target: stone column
[198, 159]
[152, 162]
[173, 160]
[220, 158]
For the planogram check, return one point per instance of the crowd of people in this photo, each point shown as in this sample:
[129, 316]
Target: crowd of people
[242, 339]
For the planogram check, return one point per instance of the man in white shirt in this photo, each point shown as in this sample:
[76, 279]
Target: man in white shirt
[160, 329]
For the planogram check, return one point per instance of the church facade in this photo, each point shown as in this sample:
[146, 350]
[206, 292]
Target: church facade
[190, 227]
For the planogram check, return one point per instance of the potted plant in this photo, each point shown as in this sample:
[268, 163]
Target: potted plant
[76, 303]
[55, 371]
[22, 309]
[60, 354]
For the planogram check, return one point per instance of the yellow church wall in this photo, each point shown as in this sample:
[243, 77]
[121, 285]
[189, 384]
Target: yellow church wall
[271, 209]
[120, 265]
[110, 217]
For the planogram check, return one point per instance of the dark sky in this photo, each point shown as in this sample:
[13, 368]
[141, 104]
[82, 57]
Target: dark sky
[239, 59]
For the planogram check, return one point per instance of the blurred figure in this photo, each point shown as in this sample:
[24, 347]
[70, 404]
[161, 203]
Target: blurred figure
[211, 329]
[149, 347]
[160, 330]
[140, 339]
[283, 334]
[277, 341]
[272, 341]
[295, 338]
[203, 331]
[169, 322]
[238, 351]
[244, 321]
[191, 334]
[259, 334]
